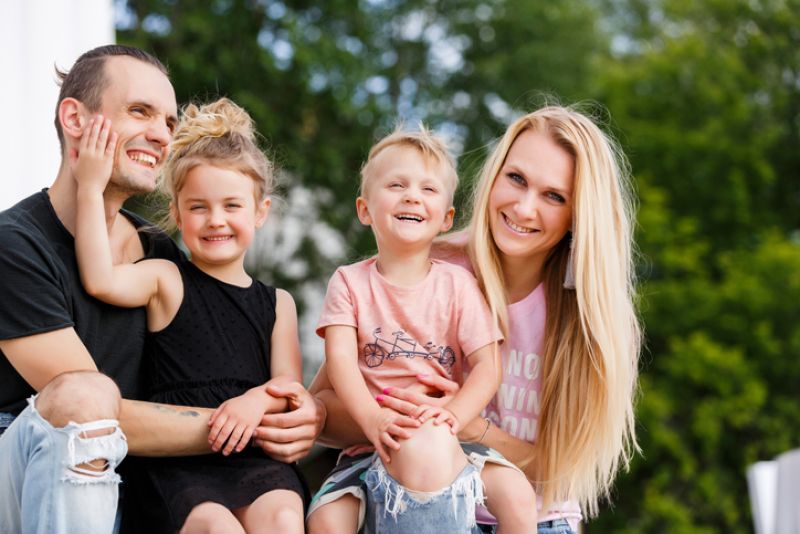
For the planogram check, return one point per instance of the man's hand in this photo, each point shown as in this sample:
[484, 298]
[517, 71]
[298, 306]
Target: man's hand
[288, 436]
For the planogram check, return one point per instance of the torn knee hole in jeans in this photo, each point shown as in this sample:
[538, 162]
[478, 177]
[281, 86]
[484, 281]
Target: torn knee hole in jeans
[92, 468]
[93, 460]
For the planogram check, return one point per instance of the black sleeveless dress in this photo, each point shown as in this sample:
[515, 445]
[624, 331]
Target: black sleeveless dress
[216, 348]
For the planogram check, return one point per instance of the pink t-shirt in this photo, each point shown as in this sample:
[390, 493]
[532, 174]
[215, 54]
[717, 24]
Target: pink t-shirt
[515, 408]
[404, 331]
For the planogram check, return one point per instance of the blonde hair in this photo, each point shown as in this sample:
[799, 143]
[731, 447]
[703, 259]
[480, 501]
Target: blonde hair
[431, 146]
[221, 134]
[592, 336]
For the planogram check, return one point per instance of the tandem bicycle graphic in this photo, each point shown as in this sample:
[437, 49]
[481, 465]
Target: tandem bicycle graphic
[402, 345]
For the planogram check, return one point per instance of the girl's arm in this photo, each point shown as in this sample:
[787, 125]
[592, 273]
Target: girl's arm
[378, 424]
[125, 285]
[479, 387]
[286, 363]
[235, 421]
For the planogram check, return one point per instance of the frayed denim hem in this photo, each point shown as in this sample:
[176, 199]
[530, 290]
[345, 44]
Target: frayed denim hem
[461, 497]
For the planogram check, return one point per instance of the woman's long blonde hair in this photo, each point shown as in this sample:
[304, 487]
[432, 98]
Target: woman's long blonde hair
[592, 335]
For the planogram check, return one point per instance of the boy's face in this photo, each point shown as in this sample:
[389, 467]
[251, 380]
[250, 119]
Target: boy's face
[140, 102]
[405, 200]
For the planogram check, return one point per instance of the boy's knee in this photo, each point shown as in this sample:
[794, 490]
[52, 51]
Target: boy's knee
[428, 461]
[79, 396]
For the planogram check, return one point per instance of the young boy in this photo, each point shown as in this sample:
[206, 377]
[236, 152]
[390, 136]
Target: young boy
[390, 318]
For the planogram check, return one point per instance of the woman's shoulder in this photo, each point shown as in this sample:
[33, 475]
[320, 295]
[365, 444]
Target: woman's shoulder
[452, 249]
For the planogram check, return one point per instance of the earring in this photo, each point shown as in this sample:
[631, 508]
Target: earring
[569, 275]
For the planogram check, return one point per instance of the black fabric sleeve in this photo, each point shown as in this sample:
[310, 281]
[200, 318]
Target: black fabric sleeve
[32, 287]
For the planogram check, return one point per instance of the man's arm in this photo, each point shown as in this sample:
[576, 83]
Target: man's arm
[151, 429]
[41, 357]
[156, 429]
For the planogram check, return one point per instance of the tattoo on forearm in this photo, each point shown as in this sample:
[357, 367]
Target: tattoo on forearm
[186, 412]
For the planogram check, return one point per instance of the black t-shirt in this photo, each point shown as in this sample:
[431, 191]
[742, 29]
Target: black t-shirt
[41, 291]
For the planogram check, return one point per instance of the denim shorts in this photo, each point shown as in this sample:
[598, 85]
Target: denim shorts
[43, 488]
[392, 508]
[382, 499]
[555, 526]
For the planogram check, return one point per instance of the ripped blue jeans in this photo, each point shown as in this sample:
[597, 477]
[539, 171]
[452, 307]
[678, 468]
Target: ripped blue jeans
[393, 508]
[44, 487]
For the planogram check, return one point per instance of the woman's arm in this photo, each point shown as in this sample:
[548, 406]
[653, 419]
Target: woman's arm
[340, 428]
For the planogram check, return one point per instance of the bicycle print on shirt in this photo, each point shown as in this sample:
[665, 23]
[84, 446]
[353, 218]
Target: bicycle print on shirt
[403, 345]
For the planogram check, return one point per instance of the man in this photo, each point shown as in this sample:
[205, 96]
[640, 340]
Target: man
[57, 458]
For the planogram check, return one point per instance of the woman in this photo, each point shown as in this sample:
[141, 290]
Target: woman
[550, 242]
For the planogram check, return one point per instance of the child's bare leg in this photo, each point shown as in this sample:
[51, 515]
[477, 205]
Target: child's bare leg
[275, 511]
[211, 517]
[336, 517]
[429, 460]
[510, 498]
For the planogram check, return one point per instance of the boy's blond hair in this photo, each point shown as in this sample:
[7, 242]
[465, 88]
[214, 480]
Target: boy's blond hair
[432, 147]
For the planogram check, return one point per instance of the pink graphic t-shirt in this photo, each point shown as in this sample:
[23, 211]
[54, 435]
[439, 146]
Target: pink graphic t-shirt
[405, 331]
[515, 408]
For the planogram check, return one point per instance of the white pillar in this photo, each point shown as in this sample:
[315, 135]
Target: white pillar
[35, 35]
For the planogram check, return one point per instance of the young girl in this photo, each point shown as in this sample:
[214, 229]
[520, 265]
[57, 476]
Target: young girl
[216, 336]
[550, 240]
[389, 318]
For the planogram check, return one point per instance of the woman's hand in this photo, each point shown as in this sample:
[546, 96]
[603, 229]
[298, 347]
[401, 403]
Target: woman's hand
[432, 390]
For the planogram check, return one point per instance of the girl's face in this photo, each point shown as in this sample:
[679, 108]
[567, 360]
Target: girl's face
[530, 204]
[217, 214]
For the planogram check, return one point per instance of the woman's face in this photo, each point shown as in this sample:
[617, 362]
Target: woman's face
[530, 204]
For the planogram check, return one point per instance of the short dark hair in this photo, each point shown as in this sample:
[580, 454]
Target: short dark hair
[86, 80]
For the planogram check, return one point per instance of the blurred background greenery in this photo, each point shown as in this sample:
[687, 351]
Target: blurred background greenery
[704, 97]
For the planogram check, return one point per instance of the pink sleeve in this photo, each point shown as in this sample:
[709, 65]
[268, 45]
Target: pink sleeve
[476, 326]
[338, 307]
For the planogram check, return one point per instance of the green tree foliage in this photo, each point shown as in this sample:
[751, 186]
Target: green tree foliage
[707, 95]
[705, 99]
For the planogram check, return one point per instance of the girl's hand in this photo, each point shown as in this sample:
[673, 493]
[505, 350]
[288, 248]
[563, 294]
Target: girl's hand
[93, 163]
[440, 415]
[385, 428]
[233, 423]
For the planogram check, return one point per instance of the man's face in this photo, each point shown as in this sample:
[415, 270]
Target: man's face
[140, 102]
